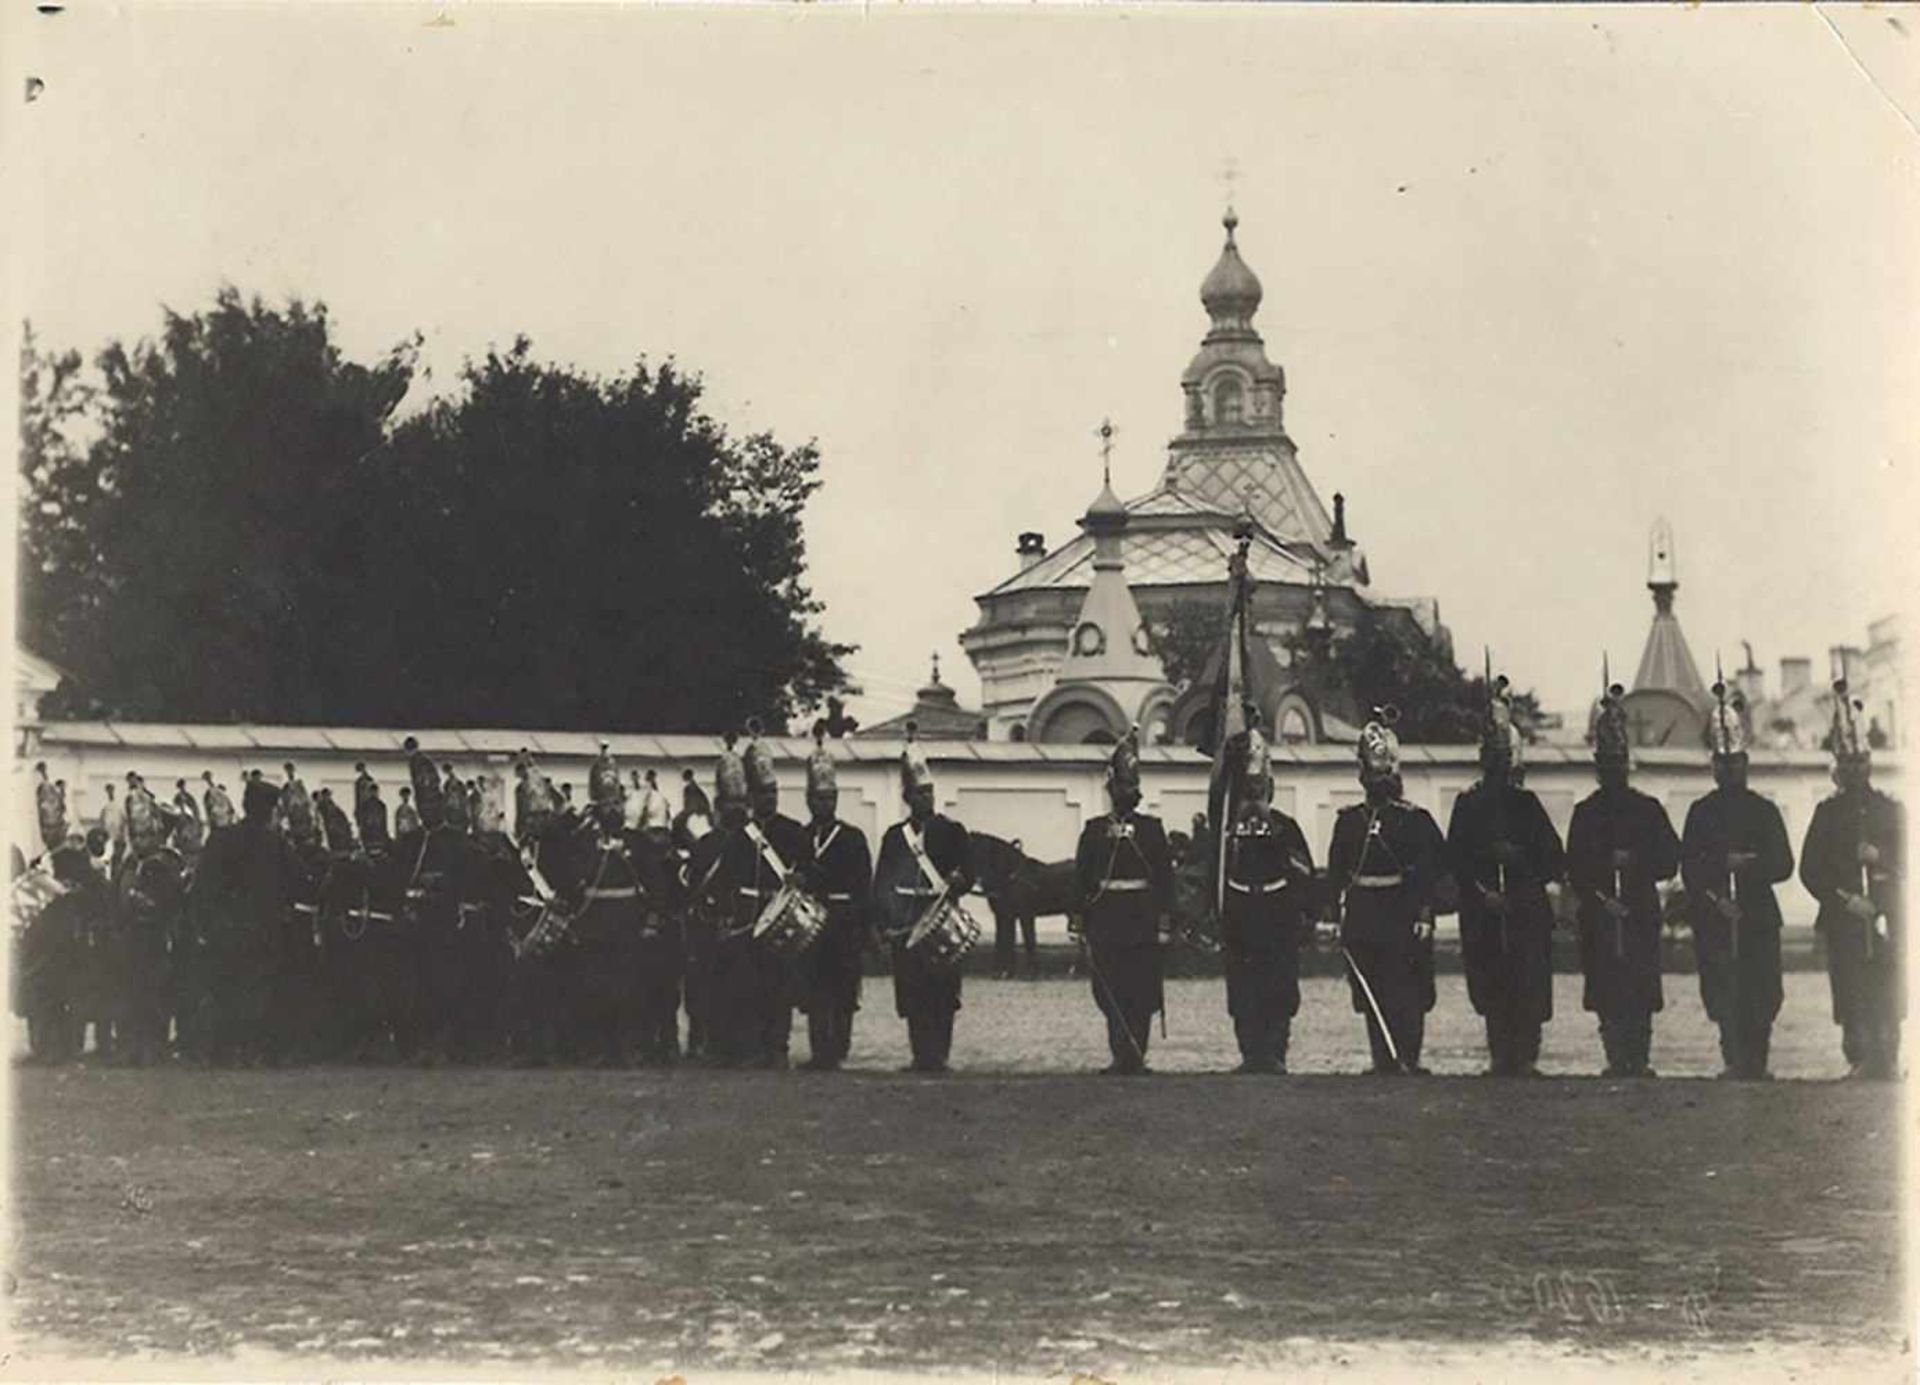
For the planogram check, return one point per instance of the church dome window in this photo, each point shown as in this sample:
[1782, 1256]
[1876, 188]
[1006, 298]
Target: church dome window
[1229, 401]
[1089, 640]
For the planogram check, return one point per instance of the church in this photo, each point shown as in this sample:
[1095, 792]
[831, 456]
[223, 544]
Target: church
[1065, 647]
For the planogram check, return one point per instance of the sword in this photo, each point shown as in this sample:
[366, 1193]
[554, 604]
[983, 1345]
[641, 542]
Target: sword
[1619, 920]
[1373, 1005]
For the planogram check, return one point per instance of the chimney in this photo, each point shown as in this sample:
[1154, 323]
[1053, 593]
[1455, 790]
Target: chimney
[1338, 539]
[1795, 674]
[1030, 548]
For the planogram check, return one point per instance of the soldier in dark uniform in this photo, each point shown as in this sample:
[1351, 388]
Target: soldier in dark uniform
[135, 960]
[1503, 851]
[50, 805]
[840, 867]
[1854, 863]
[693, 799]
[605, 792]
[1733, 851]
[218, 805]
[455, 801]
[50, 961]
[363, 784]
[295, 812]
[782, 847]
[241, 900]
[1269, 880]
[922, 860]
[1620, 846]
[1125, 881]
[428, 799]
[722, 903]
[370, 816]
[336, 830]
[1387, 870]
[406, 817]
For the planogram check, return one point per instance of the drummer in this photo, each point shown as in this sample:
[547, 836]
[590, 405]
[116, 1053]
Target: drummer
[925, 862]
[773, 978]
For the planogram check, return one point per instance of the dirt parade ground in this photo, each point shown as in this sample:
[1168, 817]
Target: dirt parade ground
[1025, 1216]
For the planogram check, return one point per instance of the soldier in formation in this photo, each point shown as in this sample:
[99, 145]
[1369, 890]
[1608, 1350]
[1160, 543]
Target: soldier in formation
[1388, 872]
[297, 931]
[841, 866]
[1126, 898]
[924, 869]
[1266, 908]
[1503, 852]
[1620, 847]
[1853, 863]
[1733, 851]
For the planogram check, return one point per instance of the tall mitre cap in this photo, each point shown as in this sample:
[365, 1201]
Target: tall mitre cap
[1123, 766]
[1727, 732]
[761, 774]
[1379, 748]
[821, 775]
[1850, 745]
[915, 772]
[1498, 732]
[729, 775]
[1612, 740]
[603, 777]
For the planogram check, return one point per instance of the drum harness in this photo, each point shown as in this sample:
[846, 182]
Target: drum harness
[935, 884]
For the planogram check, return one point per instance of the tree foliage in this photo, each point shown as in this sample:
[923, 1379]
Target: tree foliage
[1185, 635]
[1382, 659]
[1386, 659]
[255, 535]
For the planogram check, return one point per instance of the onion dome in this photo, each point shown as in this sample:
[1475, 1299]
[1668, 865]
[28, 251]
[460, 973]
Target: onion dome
[1230, 291]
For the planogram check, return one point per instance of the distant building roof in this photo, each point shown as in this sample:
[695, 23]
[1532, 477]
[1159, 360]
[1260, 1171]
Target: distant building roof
[936, 714]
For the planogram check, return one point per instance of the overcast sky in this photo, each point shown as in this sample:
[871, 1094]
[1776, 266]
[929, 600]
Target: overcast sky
[1536, 275]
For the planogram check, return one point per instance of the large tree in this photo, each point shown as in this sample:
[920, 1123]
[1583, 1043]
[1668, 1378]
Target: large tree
[592, 553]
[183, 539]
[250, 534]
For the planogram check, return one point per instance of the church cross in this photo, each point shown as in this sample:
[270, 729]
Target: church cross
[1107, 430]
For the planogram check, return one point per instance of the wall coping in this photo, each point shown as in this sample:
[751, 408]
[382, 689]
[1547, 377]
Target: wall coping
[290, 741]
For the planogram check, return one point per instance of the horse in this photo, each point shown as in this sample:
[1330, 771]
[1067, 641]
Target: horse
[1020, 890]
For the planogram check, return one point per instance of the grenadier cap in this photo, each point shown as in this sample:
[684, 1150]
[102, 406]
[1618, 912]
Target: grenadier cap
[1612, 740]
[915, 772]
[821, 775]
[761, 775]
[1848, 739]
[1499, 736]
[729, 776]
[490, 812]
[603, 779]
[1379, 748]
[1727, 733]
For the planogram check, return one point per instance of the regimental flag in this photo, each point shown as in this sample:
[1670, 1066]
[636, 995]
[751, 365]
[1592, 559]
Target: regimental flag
[1233, 706]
